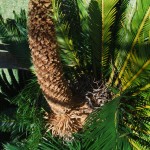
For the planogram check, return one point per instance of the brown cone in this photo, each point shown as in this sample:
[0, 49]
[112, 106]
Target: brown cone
[49, 69]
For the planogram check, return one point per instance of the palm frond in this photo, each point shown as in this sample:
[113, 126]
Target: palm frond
[138, 23]
[85, 45]
[71, 18]
[135, 111]
[11, 147]
[12, 81]
[54, 143]
[17, 118]
[71, 12]
[14, 29]
[102, 34]
[95, 37]
[103, 127]
[27, 124]
[7, 122]
[118, 123]
[29, 115]
[13, 34]
[121, 7]
[67, 52]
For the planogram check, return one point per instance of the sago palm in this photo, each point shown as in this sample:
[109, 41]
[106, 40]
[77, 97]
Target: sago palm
[102, 48]
[112, 40]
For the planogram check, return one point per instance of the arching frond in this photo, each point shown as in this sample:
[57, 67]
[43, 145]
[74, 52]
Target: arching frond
[50, 142]
[139, 20]
[25, 127]
[13, 34]
[12, 81]
[67, 52]
[118, 123]
[103, 127]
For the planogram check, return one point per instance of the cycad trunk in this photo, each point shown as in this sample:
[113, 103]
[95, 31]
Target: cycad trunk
[44, 52]
[65, 117]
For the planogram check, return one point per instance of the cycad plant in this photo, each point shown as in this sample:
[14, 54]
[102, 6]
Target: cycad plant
[92, 62]
[113, 49]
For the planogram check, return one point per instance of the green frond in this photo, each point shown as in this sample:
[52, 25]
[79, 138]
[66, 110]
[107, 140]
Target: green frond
[137, 110]
[118, 122]
[13, 35]
[95, 37]
[54, 143]
[67, 52]
[117, 25]
[14, 29]
[138, 23]
[145, 87]
[102, 128]
[12, 81]
[147, 63]
[105, 20]
[85, 46]
[11, 147]
[50, 142]
[84, 16]
[6, 122]
[19, 117]
[71, 18]
[29, 116]
[108, 18]
[138, 67]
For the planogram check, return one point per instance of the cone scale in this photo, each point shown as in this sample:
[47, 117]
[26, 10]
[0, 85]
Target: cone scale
[65, 118]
